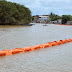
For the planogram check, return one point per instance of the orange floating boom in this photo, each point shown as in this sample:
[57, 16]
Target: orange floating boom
[31, 48]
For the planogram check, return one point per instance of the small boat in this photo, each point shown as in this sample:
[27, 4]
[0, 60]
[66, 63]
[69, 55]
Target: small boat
[45, 25]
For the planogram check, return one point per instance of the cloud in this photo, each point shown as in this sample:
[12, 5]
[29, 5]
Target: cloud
[39, 7]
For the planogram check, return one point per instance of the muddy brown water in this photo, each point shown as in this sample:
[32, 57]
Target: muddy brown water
[52, 59]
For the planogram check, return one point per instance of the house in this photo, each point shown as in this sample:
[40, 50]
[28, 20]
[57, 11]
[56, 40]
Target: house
[59, 21]
[44, 19]
[41, 19]
[69, 22]
[36, 18]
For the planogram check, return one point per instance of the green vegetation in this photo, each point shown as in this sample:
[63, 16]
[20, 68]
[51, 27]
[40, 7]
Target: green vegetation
[66, 18]
[13, 13]
[32, 18]
[54, 17]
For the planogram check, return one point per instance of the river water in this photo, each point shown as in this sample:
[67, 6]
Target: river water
[52, 59]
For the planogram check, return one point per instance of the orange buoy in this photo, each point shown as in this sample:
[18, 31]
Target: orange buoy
[61, 41]
[49, 43]
[20, 49]
[27, 49]
[14, 51]
[64, 41]
[53, 43]
[36, 47]
[2, 53]
[31, 48]
[8, 52]
[41, 46]
[56, 43]
[68, 40]
[45, 45]
[71, 39]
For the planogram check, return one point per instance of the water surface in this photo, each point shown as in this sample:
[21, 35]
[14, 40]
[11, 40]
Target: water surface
[53, 59]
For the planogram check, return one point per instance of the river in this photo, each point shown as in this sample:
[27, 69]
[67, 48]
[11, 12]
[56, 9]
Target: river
[52, 59]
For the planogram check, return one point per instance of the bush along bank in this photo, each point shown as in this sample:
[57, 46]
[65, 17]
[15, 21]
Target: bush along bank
[14, 14]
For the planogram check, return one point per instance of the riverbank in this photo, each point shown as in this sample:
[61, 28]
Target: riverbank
[54, 24]
[64, 24]
[18, 24]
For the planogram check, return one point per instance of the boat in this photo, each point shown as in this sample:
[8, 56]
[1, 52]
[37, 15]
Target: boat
[45, 25]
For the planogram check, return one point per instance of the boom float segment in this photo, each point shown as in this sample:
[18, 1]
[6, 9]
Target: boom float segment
[31, 48]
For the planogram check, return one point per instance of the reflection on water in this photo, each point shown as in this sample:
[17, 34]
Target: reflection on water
[53, 59]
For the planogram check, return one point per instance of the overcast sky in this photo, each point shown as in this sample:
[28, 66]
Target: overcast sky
[43, 7]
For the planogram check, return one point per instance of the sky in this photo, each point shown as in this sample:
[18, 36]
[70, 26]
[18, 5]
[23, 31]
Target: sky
[45, 7]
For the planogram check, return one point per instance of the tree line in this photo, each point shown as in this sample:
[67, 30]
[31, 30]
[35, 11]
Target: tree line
[13, 13]
[64, 18]
[54, 17]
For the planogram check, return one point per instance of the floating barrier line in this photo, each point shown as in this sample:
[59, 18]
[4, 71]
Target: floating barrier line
[63, 24]
[31, 48]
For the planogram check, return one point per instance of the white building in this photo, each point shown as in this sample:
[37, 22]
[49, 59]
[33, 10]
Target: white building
[59, 21]
[44, 19]
[41, 19]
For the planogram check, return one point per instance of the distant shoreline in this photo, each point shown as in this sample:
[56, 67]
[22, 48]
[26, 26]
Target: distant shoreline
[29, 24]
[17, 24]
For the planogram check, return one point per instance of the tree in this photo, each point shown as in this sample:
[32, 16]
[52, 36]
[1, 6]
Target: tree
[66, 18]
[54, 17]
[32, 18]
[13, 13]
